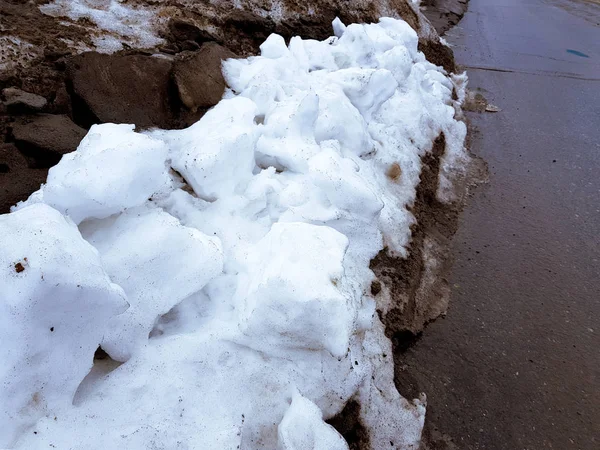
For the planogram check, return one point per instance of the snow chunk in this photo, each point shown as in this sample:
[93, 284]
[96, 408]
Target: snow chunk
[302, 428]
[56, 302]
[217, 153]
[158, 262]
[113, 168]
[299, 301]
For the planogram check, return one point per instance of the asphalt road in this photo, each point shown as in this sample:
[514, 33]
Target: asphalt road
[516, 362]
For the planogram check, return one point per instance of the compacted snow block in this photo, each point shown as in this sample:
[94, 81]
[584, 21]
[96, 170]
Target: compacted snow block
[112, 169]
[302, 428]
[242, 244]
[299, 301]
[56, 300]
[163, 249]
[217, 153]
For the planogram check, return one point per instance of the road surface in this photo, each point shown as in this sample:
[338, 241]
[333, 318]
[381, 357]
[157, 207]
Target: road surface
[516, 362]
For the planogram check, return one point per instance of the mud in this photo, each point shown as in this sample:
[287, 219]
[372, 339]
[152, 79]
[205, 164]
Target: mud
[438, 53]
[39, 68]
[413, 304]
[348, 424]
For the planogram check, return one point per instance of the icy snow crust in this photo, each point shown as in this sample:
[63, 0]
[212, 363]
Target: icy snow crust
[226, 265]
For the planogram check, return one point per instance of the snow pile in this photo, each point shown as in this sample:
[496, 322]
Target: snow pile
[119, 21]
[242, 245]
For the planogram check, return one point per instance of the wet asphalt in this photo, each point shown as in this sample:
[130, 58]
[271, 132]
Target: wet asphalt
[516, 362]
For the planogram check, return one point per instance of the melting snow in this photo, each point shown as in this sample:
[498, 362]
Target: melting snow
[226, 265]
[120, 21]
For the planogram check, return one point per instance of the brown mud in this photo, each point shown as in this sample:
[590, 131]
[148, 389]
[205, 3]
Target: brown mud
[415, 300]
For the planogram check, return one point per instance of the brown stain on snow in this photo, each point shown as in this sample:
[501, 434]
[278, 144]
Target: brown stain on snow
[394, 172]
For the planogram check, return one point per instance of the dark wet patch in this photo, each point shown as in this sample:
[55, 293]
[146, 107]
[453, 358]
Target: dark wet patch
[577, 53]
[348, 424]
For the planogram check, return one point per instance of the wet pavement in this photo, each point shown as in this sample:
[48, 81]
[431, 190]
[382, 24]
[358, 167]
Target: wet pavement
[516, 362]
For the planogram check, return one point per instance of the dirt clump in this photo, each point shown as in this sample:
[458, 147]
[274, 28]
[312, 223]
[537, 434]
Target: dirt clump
[121, 89]
[248, 22]
[182, 31]
[17, 100]
[17, 179]
[348, 424]
[198, 76]
[438, 53]
[407, 13]
[475, 102]
[394, 172]
[46, 137]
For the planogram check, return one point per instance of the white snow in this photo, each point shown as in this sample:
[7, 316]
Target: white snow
[112, 169]
[164, 250]
[302, 427]
[56, 298]
[242, 245]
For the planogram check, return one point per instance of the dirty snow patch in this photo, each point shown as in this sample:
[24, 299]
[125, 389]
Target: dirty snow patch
[15, 52]
[119, 22]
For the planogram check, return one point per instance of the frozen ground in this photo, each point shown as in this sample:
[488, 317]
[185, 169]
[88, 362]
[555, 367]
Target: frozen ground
[225, 267]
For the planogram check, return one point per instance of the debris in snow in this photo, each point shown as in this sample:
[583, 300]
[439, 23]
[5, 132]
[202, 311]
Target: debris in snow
[242, 245]
[492, 108]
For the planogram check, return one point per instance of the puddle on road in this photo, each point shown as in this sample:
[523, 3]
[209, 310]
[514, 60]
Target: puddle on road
[577, 53]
